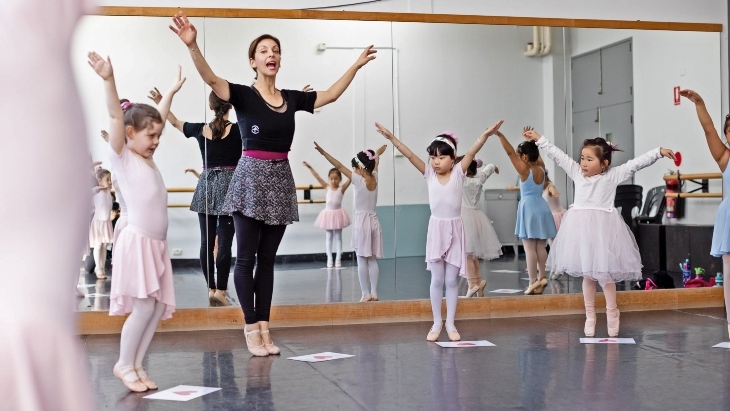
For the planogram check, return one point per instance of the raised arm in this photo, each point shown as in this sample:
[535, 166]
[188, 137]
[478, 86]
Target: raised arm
[316, 175]
[336, 164]
[188, 34]
[335, 91]
[156, 96]
[628, 169]
[345, 185]
[561, 159]
[164, 106]
[522, 168]
[719, 151]
[378, 153]
[474, 149]
[486, 171]
[116, 116]
[414, 159]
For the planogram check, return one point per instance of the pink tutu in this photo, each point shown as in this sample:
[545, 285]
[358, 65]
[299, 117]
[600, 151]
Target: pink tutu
[119, 226]
[481, 239]
[557, 216]
[367, 237]
[142, 269]
[595, 244]
[332, 219]
[100, 232]
[445, 241]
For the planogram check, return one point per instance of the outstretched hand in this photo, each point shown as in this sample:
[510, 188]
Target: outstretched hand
[493, 129]
[307, 164]
[367, 55]
[496, 169]
[381, 150]
[692, 96]
[155, 95]
[530, 134]
[307, 88]
[184, 29]
[177, 82]
[102, 67]
[665, 152]
[553, 191]
[383, 131]
[105, 135]
[320, 149]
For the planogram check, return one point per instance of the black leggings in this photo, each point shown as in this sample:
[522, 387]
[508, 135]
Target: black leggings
[223, 227]
[257, 245]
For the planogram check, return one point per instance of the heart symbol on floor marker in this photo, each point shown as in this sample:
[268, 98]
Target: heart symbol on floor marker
[321, 357]
[184, 392]
[607, 340]
[466, 344]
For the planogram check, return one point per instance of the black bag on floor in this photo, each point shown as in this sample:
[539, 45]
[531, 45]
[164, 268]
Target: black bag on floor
[90, 265]
[663, 280]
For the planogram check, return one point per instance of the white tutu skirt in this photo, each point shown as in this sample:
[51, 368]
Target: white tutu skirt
[445, 241]
[142, 269]
[595, 244]
[367, 237]
[100, 232]
[558, 217]
[481, 239]
[721, 233]
[332, 219]
[119, 226]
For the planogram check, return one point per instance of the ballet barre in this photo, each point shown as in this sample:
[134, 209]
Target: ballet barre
[701, 179]
[307, 188]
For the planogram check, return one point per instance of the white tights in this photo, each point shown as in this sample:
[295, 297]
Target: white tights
[138, 330]
[443, 273]
[536, 256]
[100, 257]
[368, 266]
[336, 236]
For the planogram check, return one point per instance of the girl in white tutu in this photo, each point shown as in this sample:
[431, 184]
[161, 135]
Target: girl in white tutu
[367, 237]
[721, 154]
[142, 282]
[333, 218]
[445, 243]
[101, 232]
[481, 239]
[594, 242]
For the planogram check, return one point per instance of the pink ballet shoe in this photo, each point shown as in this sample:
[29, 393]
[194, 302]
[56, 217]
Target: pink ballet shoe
[129, 378]
[434, 333]
[590, 327]
[374, 297]
[366, 298]
[452, 333]
[221, 297]
[142, 374]
[254, 343]
[613, 331]
[270, 347]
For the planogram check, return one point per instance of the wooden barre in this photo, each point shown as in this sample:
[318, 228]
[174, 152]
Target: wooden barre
[700, 176]
[693, 195]
[180, 189]
[308, 187]
[311, 201]
[178, 205]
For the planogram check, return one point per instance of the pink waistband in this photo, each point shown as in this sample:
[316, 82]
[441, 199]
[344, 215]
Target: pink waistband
[265, 155]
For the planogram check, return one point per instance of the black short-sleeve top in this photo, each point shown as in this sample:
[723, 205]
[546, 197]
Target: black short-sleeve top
[223, 152]
[263, 128]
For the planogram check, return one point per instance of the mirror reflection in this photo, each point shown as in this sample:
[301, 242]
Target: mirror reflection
[570, 84]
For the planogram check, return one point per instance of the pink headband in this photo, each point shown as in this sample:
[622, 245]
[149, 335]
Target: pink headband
[370, 156]
[126, 105]
[451, 134]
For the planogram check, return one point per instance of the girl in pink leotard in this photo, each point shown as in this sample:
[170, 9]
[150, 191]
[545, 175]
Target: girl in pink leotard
[142, 281]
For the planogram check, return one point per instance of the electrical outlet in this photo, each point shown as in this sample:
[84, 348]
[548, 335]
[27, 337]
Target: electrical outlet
[177, 251]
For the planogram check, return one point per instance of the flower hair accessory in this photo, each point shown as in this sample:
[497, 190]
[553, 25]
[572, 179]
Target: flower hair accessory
[372, 156]
[126, 105]
[451, 134]
[480, 163]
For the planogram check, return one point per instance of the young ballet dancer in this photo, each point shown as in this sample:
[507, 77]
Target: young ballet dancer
[445, 242]
[594, 242]
[535, 224]
[721, 154]
[142, 282]
[367, 237]
[333, 218]
[101, 231]
[481, 239]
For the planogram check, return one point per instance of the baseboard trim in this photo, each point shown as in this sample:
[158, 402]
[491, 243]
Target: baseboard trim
[223, 318]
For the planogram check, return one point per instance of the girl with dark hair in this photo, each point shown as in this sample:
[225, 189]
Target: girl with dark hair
[535, 224]
[445, 243]
[333, 218]
[101, 232]
[220, 148]
[721, 154]
[367, 237]
[262, 196]
[594, 242]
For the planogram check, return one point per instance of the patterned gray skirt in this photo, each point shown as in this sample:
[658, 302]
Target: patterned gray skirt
[263, 190]
[210, 194]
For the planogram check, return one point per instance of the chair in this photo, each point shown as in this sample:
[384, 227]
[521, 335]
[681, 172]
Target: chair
[654, 206]
[628, 198]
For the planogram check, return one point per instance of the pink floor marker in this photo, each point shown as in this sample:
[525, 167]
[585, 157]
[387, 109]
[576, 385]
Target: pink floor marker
[182, 393]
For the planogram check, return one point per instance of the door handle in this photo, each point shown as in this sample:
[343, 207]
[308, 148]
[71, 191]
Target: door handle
[598, 116]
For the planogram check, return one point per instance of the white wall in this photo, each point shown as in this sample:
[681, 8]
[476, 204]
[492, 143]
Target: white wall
[661, 61]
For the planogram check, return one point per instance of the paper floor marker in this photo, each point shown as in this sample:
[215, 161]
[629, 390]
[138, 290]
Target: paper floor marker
[722, 345]
[465, 344]
[505, 271]
[506, 291]
[323, 356]
[182, 393]
[607, 341]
